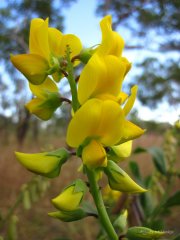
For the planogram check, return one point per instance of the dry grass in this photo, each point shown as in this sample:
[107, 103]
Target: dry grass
[34, 223]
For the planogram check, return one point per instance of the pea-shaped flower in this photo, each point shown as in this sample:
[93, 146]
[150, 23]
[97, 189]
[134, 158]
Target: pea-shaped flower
[47, 164]
[47, 46]
[47, 99]
[102, 121]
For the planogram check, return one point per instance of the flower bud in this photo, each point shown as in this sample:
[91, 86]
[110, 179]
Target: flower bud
[71, 197]
[69, 216]
[94, 155]
[138, 233]
[47, 164]
[119, 180]
[121, 221]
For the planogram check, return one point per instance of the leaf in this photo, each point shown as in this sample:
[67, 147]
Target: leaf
[173, 200]
[135, 171]
[139, 150]
[158, 159]
[157, 155]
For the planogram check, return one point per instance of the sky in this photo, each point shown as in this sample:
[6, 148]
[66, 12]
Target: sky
[81, 20]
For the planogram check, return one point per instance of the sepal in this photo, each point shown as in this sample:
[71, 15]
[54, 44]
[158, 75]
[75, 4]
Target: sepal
[69, 216]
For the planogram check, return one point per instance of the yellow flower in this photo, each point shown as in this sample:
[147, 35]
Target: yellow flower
[105, 70]
[101, 75]
[46, 164]
[47, 99]
[46, 46]
[101, 120]
[104, 122]
[71, 196]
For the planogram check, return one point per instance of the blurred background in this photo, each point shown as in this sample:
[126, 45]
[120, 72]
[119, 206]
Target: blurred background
[151, 32]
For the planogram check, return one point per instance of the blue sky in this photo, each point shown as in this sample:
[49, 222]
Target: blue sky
[80, 19]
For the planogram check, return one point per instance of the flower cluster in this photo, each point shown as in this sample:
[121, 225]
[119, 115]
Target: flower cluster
[99, 129]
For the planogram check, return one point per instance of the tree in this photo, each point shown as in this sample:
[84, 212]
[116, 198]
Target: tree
[154, 27]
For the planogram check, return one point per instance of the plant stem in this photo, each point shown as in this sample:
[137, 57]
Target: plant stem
[103, 216]
[72, 82]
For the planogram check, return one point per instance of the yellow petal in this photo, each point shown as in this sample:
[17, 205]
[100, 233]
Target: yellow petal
[123, 150]
[112, 43]
[111, 123]
[130, 131]
[84, 123]
[130, 102]
[32, 66]
[68, 200]
[38, 162]
[94, 155]
[55, 38]
[43, 89]
[101, 75]
[122, 97]
[38, 39]
[96, 119]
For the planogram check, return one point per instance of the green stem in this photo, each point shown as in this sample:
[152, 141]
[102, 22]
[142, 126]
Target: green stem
[103, 216]
[72, 82]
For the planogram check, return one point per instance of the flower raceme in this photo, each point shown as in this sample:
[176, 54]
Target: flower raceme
[47, 47]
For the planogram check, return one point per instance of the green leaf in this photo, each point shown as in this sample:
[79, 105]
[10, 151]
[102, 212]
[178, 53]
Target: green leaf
[135, 171]
[158, 159]
[139, 150]
[157, 155]
[173, 200]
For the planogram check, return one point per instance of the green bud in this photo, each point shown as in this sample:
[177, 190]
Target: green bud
[121, 221]
[26, 199]
[69, 216]
[119, 179]
[47, 164]
[143, 233]
[12, 228]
